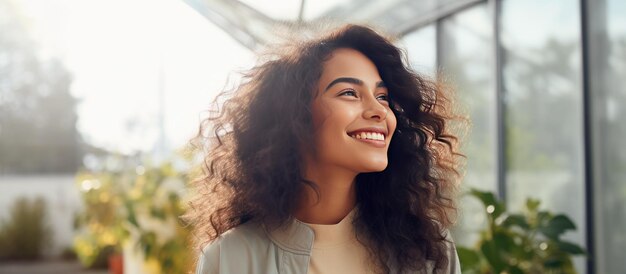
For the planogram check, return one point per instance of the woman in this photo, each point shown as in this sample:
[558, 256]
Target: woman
[331, 157]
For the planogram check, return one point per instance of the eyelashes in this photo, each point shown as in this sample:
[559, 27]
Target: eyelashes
[353, 93]
[384, 97]
[348, 92]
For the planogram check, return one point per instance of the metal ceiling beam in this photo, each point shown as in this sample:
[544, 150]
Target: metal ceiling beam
[253, 29]
[245, 24]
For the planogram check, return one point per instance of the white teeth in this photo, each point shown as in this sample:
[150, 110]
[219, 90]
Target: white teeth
[369, 135]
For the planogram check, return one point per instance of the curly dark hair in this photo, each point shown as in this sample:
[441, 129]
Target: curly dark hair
[252, 169]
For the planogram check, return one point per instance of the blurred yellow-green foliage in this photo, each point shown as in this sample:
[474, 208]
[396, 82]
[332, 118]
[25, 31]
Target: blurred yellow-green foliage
[140, 206]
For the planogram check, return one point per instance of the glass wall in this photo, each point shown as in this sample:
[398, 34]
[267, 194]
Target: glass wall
[422, 50]
[542, 99]
[467, 61]
[543, 108]
[607, 71]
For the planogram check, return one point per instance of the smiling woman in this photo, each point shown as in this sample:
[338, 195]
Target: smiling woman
[332, 157]
[352, 120]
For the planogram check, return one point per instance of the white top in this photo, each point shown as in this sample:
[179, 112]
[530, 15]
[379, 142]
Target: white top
[336, 249]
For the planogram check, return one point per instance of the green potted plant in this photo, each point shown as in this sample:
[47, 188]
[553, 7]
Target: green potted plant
[100, 228]
[153, 206]
[529, 242]
[135, 209]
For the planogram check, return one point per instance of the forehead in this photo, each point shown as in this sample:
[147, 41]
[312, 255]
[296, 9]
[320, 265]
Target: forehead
[346, 62]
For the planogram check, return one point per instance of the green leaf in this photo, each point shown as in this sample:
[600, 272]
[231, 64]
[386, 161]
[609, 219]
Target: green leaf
[570, 248]
[553, 262]
[490, 251]
[563, 221]
[515, 220]
[489, 199]
[556, 226]
[504, 242]
[148, 242]
[470, 259]
[515, 270]
[157, 213]
[131, 214]
[543, 217]
[532, 204]
[519, 250]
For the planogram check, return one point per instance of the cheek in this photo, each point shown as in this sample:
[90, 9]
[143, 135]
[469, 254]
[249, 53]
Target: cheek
[322, 123]
[319, 114]
[331, 118]
[392, 122]
[330, 126]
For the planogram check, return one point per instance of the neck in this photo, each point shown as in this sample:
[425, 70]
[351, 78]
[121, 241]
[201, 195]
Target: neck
[337, 195]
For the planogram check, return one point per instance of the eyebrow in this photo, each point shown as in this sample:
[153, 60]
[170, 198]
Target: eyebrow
[350, 80]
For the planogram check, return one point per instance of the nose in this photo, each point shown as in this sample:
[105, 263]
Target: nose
[374, 110]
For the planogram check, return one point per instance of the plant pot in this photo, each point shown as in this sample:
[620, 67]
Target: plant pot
[116, 264]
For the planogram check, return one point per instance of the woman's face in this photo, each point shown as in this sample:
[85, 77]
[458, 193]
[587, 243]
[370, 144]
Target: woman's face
[353, 123]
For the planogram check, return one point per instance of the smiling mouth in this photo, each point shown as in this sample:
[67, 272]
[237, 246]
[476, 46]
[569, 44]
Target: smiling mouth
[374, 139]
[374, 136]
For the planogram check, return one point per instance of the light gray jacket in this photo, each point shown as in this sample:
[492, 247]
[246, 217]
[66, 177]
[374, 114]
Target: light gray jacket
[250, 249]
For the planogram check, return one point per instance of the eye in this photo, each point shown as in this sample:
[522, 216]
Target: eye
[348, 92]
[383, 97]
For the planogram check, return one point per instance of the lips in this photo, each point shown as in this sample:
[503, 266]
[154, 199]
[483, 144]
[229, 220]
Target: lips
[373, 135]
[369, 131]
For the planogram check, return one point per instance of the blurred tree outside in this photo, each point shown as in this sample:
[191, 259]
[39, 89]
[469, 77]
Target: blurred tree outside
[611, 108]
[540, 92]
[38, 131]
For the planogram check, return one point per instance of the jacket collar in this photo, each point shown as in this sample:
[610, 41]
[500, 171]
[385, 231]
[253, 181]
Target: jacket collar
[294, 236]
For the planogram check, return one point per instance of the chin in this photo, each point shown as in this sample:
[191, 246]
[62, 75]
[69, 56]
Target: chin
[374, 167]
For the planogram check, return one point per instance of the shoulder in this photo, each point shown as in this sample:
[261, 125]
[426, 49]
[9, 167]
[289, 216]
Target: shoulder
[454, 266]
[219, 256]
[239, 238]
